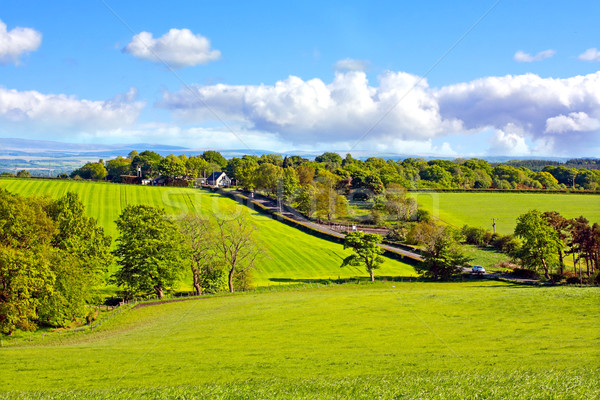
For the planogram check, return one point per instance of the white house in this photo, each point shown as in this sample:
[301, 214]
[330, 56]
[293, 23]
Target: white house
[218, 179]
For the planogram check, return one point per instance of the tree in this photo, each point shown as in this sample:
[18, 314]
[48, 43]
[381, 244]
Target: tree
[95, 171]
[237, 247]
[396, 203]
[560, 224]
[171, 166]
[367, 253]
[23, 174]
[80, 258]
[333, 160]
[215, 157]
[149, 250]
[267, 177]
[306, 174]
[24, 279]
[117, 167]
[200, 239]
[290, 184]
[442, 256]
[541, 243]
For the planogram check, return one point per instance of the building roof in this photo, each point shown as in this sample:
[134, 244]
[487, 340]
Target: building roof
[215, 175]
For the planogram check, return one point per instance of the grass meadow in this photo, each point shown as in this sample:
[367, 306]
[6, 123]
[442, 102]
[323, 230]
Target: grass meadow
[384, 340]
[292, 256]
[478, 208]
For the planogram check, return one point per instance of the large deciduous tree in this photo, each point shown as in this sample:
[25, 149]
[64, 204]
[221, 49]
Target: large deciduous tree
[149, 250]
[541, 243]
[366, 250]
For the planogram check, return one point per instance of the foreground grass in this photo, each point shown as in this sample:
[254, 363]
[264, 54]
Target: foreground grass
[478, 208]
[387, 340]
[292, 255]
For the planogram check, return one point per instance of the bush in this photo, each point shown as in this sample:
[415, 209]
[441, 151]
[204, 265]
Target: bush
[505, 243]
[476, 236]
[573, 280]
[524, 273]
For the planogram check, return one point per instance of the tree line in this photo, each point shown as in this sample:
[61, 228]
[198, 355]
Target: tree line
[541, 243]
[352, 174]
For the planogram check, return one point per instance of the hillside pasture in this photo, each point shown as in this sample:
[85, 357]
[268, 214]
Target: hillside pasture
[291, 255]
[382, 340]
[478, 208]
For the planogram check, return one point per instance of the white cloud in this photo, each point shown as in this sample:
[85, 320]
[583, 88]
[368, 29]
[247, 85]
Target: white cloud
[592, 54]
[521, 56]
[16, 42]
[508, 144]
[402, 107]
[527, 102]
[178, 48]
[574, 122]
[349, 64]
[35, 113]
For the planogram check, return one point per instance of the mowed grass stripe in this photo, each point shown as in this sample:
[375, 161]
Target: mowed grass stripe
[293, 254]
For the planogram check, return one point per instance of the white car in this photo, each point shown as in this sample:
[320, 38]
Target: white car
[478, 269]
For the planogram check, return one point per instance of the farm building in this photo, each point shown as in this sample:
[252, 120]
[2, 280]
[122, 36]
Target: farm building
[218, 179]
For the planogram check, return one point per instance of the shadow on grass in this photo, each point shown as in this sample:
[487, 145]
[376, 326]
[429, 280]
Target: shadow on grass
[355, 279]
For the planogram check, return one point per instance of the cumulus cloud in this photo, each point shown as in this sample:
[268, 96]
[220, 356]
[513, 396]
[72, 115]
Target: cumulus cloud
[528, 113]
[592, 54]
[32, 111]
[401, 107]
[521, 56]
[16, 42]
[574, 122]
[349, 64]
[178, 47]
[528, 102]
[508, 144]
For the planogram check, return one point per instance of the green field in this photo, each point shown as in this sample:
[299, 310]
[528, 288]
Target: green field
[478, 209]
[291, 254]
[382, 340]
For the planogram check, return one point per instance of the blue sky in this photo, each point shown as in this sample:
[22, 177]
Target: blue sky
[447, 78]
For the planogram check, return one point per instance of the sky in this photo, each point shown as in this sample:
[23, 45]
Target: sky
[460, 78]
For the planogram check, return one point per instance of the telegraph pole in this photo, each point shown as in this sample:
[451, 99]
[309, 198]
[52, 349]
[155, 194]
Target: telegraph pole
[494, 224]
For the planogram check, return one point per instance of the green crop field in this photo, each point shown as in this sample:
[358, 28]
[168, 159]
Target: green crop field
[291, 254]
[385, 340]
[478, 209]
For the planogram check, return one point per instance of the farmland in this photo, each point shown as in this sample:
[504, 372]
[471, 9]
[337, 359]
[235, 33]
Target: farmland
[415, 340]
[478, 208]
[288, 259]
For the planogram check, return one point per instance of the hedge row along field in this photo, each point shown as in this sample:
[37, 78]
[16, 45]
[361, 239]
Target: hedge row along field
[383, 340]
[478, 208]
[292, 255]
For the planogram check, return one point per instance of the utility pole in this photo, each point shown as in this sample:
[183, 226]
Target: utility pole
[494, 224]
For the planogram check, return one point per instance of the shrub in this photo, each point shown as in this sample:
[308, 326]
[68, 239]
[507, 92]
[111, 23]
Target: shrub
[524, 273]
[476, 236]
[573, 280]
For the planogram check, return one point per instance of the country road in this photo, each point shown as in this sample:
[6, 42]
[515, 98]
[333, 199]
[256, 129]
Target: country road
[296, 216]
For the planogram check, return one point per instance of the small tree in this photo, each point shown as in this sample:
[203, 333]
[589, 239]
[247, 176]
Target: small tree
[442, 257]
[237, 246]
[366, 251]
[202, 246]
[149, 250]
